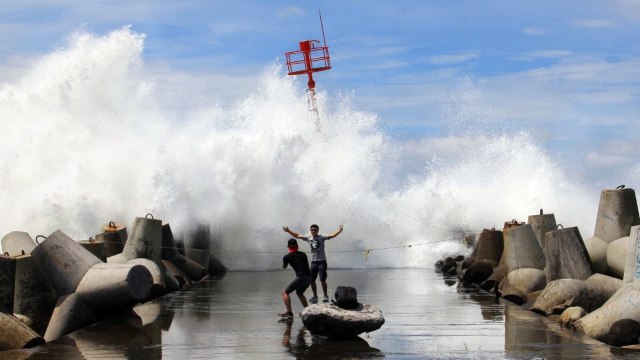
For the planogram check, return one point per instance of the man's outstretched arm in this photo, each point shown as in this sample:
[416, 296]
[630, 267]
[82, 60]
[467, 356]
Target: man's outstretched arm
[331, 236]
[291, 232]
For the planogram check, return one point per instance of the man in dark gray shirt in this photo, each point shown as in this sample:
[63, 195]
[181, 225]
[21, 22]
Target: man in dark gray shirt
[318, 257]
[300, 264]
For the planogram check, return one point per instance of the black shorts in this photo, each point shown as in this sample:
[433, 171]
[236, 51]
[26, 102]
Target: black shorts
[299, 285]
[319, 267]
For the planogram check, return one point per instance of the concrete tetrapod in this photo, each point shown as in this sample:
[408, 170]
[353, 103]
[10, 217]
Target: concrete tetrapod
[631, 270]
[63, 262]
[559, 295]
[174, 279]
[158, 287]
[566, 255]
[490, 245]
[541, 224]
[34, 298]
[524, 250]
[70, 314]
[198, 249]
[625, 304]
[94, 246]
[14, 334]
[145, 241]
[18, 243]
[617, 256]
[114, 236]
[617, 213]
[505, 236]
[599, 288]
[597, 249]
[521, 282]
[111, 285]
[7, 283]
[193, 270]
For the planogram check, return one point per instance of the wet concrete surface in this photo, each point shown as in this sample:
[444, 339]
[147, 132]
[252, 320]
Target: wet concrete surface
[234, 317]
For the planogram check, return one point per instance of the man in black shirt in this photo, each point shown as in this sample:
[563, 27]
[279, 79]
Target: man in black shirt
[299, 262]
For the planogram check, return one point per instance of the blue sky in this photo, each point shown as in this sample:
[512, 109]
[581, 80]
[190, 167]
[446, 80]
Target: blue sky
[567, 71]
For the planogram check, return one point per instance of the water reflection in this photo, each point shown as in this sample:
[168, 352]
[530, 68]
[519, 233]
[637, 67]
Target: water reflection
[236, 317]
[319, 347]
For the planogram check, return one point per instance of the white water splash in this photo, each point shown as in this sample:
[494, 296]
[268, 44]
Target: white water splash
[87, 141]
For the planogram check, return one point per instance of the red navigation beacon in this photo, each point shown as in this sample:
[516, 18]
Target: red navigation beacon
[309, 59]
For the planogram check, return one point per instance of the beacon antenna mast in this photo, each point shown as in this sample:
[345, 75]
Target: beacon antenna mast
[310, 58]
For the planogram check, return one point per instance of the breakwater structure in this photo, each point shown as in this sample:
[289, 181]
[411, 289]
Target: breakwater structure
[54, 285]
[591, 286]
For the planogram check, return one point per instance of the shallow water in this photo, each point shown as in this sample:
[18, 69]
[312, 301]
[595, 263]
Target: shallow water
[235, 317]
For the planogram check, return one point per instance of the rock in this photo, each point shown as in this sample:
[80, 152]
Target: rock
[337, 323]
[438, 266]
[624, 332]
[449, 263]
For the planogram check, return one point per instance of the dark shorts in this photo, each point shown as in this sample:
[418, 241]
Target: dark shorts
[299, 285]
[319, 267]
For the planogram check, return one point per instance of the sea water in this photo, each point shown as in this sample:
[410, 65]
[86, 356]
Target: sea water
[235, 317]
[89, 137]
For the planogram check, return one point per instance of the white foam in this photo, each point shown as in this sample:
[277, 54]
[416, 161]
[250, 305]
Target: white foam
[86, 141]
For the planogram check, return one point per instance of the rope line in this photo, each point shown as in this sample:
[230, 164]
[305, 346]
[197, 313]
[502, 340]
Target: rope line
[366, 251]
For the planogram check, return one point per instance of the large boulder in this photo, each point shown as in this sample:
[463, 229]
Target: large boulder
[337, 323]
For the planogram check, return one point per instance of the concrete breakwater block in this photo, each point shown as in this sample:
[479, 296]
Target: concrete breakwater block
[198, 249]
[617, 213]
[490, 245]
[599, 288]
[617, 256]
[571, 315]
[7, 283]
[566, 255]
[542, 224]
[597, 249]
[114, 236]
[524, 250]
[624, 304]
[158, 286]
[70, 314]
[113, 285]
[631, 267]
[506, 240]
[559, 295]
[521, 282]
[94, 246]
[174, 279]
[63, 262]
[193, 270]
[14, 334]
[18, 243]
[337, 323]
[145, 240]
[34, 297]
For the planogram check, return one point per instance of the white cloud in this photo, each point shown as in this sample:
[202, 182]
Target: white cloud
[629, 8]
[291, 11]
[536, 31]
[592, 23]
[453, 58]
[543, 54]
[601, 160]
